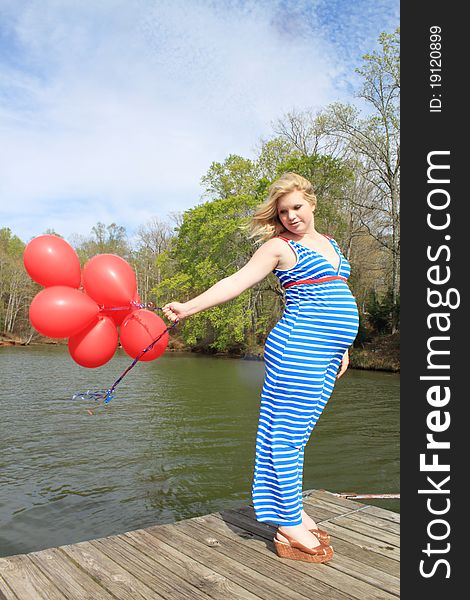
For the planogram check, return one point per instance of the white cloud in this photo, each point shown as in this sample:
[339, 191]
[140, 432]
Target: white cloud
[114, 110]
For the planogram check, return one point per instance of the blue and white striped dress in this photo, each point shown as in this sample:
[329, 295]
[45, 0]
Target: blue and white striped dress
[302, 355]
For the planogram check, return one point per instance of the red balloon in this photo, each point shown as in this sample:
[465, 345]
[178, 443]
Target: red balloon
[96, 344]
[61, 311]
[139, 330]
[109, 280]
[118, 316]
[50, 260]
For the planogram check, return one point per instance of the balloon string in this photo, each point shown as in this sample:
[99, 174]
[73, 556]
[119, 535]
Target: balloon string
[108, 394]
[148, 306]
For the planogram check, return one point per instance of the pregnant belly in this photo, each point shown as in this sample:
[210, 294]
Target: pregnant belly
[312, 332]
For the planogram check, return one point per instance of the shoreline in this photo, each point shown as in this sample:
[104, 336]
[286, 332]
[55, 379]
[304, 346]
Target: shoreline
[381, 354]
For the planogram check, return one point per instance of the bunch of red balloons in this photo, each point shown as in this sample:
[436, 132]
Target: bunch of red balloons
[87, 306]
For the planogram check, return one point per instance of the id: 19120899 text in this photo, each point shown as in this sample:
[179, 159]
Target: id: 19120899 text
[435, 68]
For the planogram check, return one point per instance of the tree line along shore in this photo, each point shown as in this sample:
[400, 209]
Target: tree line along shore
[380, 354]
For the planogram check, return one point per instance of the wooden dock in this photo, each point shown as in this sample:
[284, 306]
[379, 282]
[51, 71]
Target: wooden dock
[223, 555]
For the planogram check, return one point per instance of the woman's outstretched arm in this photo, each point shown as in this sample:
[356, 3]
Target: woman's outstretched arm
[263, 261]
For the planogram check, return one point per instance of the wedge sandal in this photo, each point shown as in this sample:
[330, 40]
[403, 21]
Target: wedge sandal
[297, 551]
[322, 535]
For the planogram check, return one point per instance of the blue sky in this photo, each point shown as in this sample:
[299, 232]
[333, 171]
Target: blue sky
[112, 111]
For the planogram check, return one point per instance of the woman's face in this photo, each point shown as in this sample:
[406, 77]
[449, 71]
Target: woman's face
[295, 213]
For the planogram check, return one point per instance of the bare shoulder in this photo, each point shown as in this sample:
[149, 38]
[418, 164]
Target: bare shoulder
[278, 252]
[275, 246]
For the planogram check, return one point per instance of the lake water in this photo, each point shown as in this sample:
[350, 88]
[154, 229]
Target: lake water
[177, 441]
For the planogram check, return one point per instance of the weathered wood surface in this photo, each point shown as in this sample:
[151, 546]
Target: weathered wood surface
[222, 556]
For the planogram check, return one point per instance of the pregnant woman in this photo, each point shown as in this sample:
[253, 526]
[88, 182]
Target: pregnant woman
[305, 353]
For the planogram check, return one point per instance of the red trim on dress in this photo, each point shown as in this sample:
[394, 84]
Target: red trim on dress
[328, 237]
[319, 280]
[287, 240]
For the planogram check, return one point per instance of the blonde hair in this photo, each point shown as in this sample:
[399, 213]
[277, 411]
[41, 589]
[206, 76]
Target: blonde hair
[265, 222]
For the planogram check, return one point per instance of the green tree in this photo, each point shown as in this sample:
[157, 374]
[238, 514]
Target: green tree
[373, 144]
[235, 176]
[382, 312]
[10, 245]
[16, 288]
[273, 154]
[153, 239]
[210, 246]
[104, 239]
[51, 231]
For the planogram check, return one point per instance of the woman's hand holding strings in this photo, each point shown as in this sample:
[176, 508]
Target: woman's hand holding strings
[175, 311]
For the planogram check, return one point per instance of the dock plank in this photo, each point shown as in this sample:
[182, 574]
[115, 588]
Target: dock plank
[345, 546]
[114, 578]
[221, 556]
[27, 581]
[379, 534]
[330, 498]
[212, 583]
[244, 517]
[373, 521]
[5, 591]
[387, 515]
[258, 554]
[320, 506]
[73, 582]
[367, 566]
[364, 541]
[365, 557]
[256, 550]
[161, 578]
